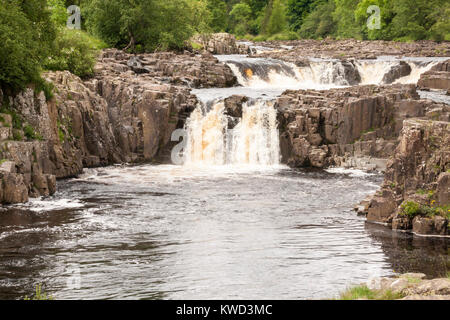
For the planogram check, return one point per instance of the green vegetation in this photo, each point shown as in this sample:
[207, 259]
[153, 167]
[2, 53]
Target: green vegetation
[35, 38]
[363, 292]
[39, 294]
[75, 51]
[412, 209]
[30, 133]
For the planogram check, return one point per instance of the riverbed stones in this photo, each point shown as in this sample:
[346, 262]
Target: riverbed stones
[297, 50]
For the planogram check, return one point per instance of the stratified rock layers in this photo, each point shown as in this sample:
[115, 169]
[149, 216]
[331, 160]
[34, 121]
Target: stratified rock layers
[126, 113]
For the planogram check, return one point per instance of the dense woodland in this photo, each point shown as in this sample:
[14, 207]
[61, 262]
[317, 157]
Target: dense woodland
[34, 36]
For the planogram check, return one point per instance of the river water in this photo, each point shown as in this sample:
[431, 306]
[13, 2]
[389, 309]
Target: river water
[169, 232]
[232, 223]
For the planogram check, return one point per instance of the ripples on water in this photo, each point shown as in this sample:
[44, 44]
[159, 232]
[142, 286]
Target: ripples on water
[167, 232]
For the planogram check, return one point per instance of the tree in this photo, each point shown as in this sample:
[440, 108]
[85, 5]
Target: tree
[297, 10]
[152, 24]
[344, 14]
[26, 35]
[319, 23]
[219, 15]
[241, 14]
[278, 21]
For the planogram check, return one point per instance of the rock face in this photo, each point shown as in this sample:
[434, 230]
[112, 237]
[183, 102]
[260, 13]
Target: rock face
[417, 172]
[221, 43]
[125, 113]
[437, 78]
[343, 126]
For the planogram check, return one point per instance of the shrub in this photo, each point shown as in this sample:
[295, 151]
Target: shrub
[30, 133]
[75, 51]
[410, 209]
[287, 35]
[18, 64]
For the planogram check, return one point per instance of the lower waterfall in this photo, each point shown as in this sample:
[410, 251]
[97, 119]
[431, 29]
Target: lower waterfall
[253, 141]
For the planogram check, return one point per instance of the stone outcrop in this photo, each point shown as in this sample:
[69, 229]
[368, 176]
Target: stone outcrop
[125, 113]
[417, 173]
[335, 127]
[437, 78]
[220, 43]
[396, 72]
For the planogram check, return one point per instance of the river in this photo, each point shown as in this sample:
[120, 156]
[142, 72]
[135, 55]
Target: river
[226, 225]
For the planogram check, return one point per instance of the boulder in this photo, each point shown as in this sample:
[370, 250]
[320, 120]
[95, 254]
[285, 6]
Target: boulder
[396, 72]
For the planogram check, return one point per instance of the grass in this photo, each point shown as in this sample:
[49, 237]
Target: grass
[39, 295]
[364, 293]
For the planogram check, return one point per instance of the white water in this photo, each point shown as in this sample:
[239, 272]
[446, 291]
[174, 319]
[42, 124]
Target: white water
[254, 140]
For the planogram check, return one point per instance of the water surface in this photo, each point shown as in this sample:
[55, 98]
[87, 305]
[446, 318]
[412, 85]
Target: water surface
[168, 232]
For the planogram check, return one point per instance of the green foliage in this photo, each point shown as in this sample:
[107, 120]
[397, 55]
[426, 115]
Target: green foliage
[410, 209]
[75, 51]
[360, 292]
[319, 23]
[39, 294]
[58, 11]
[45, 86]
[26, 35]
[30, 133]
[298, 10]
[156, 25]
[240, 14]
[347, 26]
[278, 20]
[219, 15]
[283, 36]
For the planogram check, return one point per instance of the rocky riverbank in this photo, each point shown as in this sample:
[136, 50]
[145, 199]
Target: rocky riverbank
[124, 114]
[409, 286]
[128, 110]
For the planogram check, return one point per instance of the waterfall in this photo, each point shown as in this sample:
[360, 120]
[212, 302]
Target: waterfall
[314, 73]
[253, 141]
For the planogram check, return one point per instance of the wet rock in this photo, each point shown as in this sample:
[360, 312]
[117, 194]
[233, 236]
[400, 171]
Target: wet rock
[430, 226]
[397, 72]
[13, 188]
[437, 78]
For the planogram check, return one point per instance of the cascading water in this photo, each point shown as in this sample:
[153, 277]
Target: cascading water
[253, 141]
